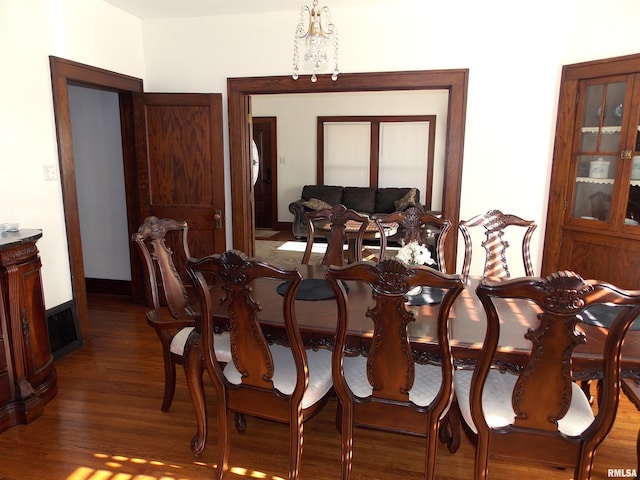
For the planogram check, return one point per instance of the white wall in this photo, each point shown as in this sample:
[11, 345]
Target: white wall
[86, 31]
[102, 207]
[514, 53]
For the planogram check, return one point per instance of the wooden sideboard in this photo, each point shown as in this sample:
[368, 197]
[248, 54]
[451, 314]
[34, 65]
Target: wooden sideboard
[27, 374]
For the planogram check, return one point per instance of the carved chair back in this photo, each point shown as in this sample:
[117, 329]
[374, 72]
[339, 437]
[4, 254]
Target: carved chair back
[540, 414]
[391, 387]
[494, 223]
[415, 225]
[264, 380]
[164, 283]
[333, 223]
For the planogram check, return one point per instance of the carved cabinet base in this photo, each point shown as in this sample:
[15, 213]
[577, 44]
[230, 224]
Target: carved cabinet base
[27, 374]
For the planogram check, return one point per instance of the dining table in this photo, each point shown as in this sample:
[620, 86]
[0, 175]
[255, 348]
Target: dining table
[317, 319]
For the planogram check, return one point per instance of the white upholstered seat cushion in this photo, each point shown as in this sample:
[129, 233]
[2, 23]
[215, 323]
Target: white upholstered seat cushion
[498, 410]
[284, 374]
[426, 382]
[221, 344]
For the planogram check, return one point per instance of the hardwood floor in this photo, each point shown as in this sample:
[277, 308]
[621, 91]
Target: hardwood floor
[106, 424]
[282, 235]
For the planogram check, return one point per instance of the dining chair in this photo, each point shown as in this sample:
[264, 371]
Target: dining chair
[539, 413]
[341, 226]
[173, 317]
[283, 383]
[631, 389]
[495, 223]
[392, 387]
[416, 225]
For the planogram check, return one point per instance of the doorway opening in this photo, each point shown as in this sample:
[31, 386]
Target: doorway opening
[265, 188]
[63, 74]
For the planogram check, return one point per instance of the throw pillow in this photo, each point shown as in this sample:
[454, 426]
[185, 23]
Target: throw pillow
[316, 204]
[409, 200]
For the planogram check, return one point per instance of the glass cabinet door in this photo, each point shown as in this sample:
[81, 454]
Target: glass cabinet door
[598, 149]
[632, 214]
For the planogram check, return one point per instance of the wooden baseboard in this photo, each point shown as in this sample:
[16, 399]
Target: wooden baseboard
[283, 226]
[106, 286]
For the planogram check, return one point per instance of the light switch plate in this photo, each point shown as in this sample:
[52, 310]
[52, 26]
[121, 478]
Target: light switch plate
[50, 173]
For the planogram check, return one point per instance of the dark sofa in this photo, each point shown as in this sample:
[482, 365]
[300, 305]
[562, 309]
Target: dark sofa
[372, 201]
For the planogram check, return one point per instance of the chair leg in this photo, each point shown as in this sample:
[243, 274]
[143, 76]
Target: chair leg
[339, 417]
[194, 370]
[346, 420]
[482, 458]
[585, 385]
[430, 457]
[444, 432]
[450, 428]
[240, 422]
[296, 432]
[638, 453]
[584, 467]
[223, 436]
[169, 379]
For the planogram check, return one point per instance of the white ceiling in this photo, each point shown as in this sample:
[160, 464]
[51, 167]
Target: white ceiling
[148, 9]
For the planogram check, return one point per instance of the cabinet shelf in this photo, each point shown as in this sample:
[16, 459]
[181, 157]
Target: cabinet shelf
[611, 129]
[604, 181]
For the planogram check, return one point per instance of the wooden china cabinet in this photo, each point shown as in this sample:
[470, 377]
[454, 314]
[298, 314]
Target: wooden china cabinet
[594, 200]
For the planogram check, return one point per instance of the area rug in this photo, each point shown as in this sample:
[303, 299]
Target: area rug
[266, 233]
[287, 252]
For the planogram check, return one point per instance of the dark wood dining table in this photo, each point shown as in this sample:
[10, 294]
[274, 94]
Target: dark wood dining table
[317, 320]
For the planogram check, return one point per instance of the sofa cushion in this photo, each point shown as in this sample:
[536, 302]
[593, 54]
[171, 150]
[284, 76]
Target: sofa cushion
[316, 204]
[328, 193]
[409, 200]
[360, 199]
[386, 198]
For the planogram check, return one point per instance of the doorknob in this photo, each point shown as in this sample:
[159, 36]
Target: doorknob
[217, 217]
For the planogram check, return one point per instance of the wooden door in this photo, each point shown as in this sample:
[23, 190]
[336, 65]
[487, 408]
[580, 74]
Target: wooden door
[266, 186]
[180, 164]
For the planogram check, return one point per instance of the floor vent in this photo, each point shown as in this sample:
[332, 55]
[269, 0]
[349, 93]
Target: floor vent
[64, 334]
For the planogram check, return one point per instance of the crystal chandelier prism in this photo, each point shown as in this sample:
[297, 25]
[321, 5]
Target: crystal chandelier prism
[316, 36]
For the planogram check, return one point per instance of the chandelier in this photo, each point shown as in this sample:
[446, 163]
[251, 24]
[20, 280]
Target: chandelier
[317, 37]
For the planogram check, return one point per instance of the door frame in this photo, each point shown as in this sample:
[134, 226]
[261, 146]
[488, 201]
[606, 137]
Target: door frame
[239, 91]
[63, 73]
[271, 123]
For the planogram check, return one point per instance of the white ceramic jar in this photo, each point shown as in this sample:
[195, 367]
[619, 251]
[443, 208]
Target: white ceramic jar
[599, 168]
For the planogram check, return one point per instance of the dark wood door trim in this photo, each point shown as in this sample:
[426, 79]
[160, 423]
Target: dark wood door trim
[270, 125]
[239, 91]
[64, 73]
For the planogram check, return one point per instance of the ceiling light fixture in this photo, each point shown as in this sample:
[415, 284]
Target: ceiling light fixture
[317, 36]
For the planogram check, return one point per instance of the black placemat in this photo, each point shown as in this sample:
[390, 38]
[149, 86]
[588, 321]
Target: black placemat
[428, 296]
[604, 315]
[311, 289]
